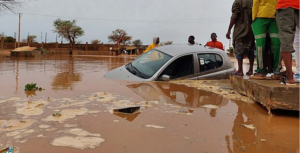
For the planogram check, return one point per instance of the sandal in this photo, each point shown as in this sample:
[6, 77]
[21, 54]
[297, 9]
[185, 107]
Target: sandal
[258, 76]
[285, 82]
[276, 77]
[249, 73]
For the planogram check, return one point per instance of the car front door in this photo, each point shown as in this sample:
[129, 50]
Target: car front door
[183, 67]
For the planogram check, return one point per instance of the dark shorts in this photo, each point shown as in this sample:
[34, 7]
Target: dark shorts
[287, 19]
[241, 50]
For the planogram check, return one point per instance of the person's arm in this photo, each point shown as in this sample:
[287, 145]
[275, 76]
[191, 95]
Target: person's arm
[222, 47]
[207, 44]
[236, 10]
[148, 48]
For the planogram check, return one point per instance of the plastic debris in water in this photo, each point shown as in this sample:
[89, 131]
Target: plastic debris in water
[210, 106]
[7, 150]
[6, 126]
[263, 140]
[249, 126]
[56, 115]
[154, 126]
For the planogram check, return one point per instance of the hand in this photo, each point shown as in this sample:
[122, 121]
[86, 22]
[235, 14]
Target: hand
[228, 34]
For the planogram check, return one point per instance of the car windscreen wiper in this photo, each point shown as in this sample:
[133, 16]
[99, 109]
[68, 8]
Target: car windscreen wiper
[136, 70]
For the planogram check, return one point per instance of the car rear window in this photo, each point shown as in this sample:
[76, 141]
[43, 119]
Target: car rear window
[209, 61]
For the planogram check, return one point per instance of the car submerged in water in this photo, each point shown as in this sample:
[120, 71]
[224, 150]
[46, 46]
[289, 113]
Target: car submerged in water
[172, 62]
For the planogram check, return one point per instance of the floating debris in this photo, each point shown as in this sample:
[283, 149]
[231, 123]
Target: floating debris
[44, 126]
[56, 114]
[67, 114]
[155, 126]
[39, 136]
[249, 126]
[70, 125]
[40, 105]
[210, 106]
[128, 110]
[263, 140]
[116, 121]
[7, 126]
[14, 124]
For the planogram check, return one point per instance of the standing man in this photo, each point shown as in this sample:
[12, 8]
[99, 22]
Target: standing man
[287, 17]
[191, 40]
[214, 43]
[263, 16]
[243, 38]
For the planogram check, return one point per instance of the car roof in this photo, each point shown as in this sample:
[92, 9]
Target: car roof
[175, 50]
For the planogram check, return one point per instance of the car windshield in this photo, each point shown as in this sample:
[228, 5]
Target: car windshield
[148, 64]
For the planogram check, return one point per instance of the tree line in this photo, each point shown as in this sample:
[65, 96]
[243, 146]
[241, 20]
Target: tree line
[69, 30]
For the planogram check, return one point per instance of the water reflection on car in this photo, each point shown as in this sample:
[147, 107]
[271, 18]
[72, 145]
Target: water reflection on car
[178, 94]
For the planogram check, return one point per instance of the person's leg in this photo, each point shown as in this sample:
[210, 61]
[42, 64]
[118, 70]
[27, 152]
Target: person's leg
[273, 29]
[251, 57]
[268, 58]
[259, 27]
[296, 46]
[286, 24]
[238, 50]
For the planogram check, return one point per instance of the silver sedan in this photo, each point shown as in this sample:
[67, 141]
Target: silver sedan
[172, 62]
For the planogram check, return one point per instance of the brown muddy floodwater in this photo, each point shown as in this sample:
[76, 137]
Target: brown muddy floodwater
[173, 118]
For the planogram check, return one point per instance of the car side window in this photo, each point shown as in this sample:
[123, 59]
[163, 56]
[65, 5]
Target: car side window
[183, 66]
[209, 61]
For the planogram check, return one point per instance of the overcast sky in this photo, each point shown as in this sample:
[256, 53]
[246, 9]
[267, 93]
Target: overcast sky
[171, 20]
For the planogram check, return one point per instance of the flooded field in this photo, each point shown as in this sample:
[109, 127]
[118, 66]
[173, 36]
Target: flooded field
[75, 113]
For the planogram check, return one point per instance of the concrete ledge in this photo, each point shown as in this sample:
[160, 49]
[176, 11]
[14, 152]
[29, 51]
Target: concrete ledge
[269, 93]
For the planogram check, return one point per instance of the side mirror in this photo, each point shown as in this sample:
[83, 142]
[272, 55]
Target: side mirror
[165, 78]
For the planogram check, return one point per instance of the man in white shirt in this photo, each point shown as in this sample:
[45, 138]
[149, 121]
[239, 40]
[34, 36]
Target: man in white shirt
[191, 40]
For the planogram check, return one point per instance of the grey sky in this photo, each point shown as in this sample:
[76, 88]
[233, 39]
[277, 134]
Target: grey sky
[171, 20]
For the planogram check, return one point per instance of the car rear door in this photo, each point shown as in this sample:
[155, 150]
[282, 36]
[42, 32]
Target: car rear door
[211, 65]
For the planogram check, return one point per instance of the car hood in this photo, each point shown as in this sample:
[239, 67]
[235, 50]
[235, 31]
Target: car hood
[121, 73]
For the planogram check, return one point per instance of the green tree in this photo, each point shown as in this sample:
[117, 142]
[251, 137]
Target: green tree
[95, 42]
[137, 43]
[9, 39]
[68, 30]
[11, 5]
[31, 38]
[116, 35]
[230, 50]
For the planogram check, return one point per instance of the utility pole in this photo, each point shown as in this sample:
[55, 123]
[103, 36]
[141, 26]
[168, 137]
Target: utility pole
[46, 38]
[56, 38]
[19, 29]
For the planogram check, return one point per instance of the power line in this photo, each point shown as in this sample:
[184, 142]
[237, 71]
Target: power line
[203, 20]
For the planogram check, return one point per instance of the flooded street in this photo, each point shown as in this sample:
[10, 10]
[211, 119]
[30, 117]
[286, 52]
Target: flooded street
[173, 118]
